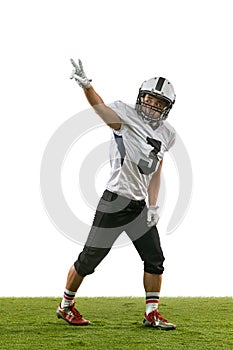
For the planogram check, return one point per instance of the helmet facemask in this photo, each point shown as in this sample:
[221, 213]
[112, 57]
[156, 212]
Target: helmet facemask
[152, 113]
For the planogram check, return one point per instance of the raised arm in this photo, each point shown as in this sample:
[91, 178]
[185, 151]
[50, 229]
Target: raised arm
[110, 117]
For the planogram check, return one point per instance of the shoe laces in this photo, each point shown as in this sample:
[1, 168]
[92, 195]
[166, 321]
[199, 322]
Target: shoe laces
[75, 311]
[160, 317]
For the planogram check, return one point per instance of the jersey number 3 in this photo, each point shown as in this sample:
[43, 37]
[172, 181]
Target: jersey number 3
[143, 165]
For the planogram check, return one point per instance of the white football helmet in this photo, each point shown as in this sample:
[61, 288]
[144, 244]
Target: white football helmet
[160, 88]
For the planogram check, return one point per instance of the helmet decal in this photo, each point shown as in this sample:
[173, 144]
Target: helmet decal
[159, 84]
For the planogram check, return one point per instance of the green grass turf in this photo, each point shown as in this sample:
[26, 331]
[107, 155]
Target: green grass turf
[31, 323]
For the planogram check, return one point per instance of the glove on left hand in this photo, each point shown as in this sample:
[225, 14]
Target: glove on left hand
[152, 215]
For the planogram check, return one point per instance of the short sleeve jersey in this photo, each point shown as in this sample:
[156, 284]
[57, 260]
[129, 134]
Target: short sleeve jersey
[135, 152]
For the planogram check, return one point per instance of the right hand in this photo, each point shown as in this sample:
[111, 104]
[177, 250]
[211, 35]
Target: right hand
[79, 75]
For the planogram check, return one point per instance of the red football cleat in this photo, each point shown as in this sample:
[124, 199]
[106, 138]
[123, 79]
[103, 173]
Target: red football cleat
[154, 319]
[72, 316]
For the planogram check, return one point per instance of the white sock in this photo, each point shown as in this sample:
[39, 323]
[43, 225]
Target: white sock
[68, 298]
[152, 301]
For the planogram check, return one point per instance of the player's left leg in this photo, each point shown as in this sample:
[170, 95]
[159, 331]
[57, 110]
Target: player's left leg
[150, 251]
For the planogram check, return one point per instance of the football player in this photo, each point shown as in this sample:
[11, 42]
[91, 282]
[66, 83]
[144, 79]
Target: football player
[140, 137]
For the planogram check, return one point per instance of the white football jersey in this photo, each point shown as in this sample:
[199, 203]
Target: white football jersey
[135, 152]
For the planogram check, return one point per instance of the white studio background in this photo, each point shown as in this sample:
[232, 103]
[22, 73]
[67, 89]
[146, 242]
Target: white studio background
[121, 44]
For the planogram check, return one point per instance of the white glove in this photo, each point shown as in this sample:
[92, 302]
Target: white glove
[79, 75]
[152, 215]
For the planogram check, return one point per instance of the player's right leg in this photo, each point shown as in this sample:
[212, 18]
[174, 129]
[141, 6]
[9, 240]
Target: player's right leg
[110, 219]
[101, 237]
[85, 265]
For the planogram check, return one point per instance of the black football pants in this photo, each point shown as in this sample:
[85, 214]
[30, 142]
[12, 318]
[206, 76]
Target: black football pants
[115, 214]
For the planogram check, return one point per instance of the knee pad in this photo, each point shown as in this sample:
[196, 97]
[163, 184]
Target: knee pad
[89, 259]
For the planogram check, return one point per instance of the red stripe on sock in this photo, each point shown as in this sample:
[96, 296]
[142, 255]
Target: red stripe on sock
[152, 301]
[68, 298]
